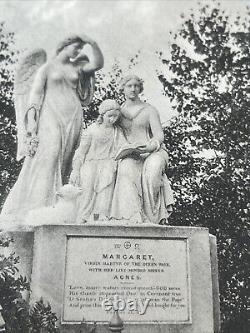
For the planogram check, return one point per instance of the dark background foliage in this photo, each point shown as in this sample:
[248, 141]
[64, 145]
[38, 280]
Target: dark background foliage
[9, 168]
[18, 316]
[208, 85]
[208, 143]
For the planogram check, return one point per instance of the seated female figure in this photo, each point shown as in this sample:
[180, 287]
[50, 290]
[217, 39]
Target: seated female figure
[142, 192]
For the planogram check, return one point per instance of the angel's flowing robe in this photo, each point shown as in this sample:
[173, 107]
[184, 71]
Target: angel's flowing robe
[59, 126]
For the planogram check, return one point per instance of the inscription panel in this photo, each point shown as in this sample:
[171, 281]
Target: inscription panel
[146, 278]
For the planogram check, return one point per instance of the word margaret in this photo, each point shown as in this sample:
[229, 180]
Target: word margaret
[128, 256]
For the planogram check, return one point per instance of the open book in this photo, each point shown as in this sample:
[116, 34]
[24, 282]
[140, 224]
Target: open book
[132, 150]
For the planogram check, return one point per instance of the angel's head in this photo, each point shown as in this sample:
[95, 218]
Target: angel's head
[109, 112]
[71, 45]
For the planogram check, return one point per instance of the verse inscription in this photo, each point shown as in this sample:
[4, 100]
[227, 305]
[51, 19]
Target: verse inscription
[147, 279]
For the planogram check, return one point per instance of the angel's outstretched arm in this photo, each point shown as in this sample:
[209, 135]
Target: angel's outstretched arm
[96, 61]
[35, 100]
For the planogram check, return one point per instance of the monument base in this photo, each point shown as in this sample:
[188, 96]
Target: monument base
[166, 277]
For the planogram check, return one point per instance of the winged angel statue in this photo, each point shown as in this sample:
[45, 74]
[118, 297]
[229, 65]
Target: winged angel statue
[49, 96]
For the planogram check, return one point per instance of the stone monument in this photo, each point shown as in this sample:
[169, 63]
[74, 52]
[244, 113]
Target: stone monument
[102, 243]
[159, 277]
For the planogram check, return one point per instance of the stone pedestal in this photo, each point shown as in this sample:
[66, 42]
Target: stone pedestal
[76, 268]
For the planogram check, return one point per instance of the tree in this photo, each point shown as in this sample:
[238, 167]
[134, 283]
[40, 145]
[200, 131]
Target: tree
[9, 168]
[207, 80]
[19, 317]
[15, 309]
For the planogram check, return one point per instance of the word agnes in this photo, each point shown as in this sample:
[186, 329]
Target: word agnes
[132, 305]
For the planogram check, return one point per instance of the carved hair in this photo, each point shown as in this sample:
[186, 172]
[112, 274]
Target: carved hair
[105, 106]
[68, 41]
[128, 78]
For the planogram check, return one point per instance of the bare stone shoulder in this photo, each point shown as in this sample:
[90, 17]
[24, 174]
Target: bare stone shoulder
[151, 109]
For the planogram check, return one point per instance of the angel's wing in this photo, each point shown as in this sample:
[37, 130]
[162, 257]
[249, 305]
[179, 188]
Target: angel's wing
[86, 87]
[25, 73]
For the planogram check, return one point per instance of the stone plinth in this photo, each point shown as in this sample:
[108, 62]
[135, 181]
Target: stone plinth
[75, 268]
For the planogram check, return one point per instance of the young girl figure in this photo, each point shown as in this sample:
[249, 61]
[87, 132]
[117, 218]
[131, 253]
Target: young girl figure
[94, 165]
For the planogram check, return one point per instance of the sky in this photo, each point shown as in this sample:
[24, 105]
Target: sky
[121, 28]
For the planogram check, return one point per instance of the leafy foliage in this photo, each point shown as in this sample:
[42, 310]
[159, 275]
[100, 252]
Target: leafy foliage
[207, 80]
[15, 309]
[41, 316]
[16, 312]
[9, 168]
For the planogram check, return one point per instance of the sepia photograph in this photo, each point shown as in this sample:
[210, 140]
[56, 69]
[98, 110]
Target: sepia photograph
[124, 166]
